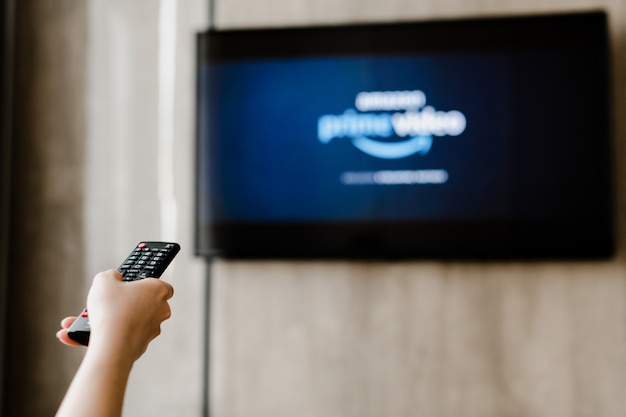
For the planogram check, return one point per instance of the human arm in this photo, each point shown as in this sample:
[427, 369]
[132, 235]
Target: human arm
[124, 318]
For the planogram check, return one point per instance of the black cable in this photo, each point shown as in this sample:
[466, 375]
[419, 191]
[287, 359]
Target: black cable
[211, 10]
[206, 374]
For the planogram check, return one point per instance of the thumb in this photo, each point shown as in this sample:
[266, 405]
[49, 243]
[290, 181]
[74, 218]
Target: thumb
[110, 274]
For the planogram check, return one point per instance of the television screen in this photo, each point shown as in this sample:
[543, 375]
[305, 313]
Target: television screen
[470, 138]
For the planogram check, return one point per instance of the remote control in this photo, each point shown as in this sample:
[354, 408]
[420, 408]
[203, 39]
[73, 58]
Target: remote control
[147, 259]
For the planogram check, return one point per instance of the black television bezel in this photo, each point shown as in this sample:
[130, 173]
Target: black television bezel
[540, 239]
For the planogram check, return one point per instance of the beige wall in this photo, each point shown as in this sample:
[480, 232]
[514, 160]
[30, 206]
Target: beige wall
[421, 338]
[139, 153]
[288, 338]
[331, 338]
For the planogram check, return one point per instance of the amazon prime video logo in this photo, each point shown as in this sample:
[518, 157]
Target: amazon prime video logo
[380, 115]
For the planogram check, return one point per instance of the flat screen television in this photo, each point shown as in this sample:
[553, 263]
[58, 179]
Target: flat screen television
[485, 138]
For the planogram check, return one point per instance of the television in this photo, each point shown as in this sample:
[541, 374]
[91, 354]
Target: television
[482, 138]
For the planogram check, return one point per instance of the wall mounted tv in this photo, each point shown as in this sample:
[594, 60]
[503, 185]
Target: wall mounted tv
[472, 139]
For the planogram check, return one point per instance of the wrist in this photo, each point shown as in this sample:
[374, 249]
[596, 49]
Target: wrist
[110, 353]
[118, 338]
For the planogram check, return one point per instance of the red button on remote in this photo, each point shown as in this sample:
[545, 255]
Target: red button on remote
[141, 245]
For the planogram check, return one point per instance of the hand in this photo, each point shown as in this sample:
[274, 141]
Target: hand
[123, 316]
[62, 334]
[127, 315]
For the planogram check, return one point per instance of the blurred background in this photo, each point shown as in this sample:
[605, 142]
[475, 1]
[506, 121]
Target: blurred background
[97, 154]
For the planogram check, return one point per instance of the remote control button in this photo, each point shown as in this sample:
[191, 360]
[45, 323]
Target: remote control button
[142, 245]
[84, 314]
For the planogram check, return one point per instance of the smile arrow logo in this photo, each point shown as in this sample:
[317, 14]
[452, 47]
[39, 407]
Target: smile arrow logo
[394, 150]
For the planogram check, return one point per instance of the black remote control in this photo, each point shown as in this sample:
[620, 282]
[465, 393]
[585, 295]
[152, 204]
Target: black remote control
[147, 259]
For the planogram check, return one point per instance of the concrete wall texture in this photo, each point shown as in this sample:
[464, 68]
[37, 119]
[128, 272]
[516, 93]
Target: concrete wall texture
[338, 339]
[45, 253]
[422, 338]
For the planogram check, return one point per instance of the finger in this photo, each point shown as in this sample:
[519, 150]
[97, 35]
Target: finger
[164, 288]
[109, 274]
[65, 338]
[167, 313]
[67, 322]
[170, 290]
